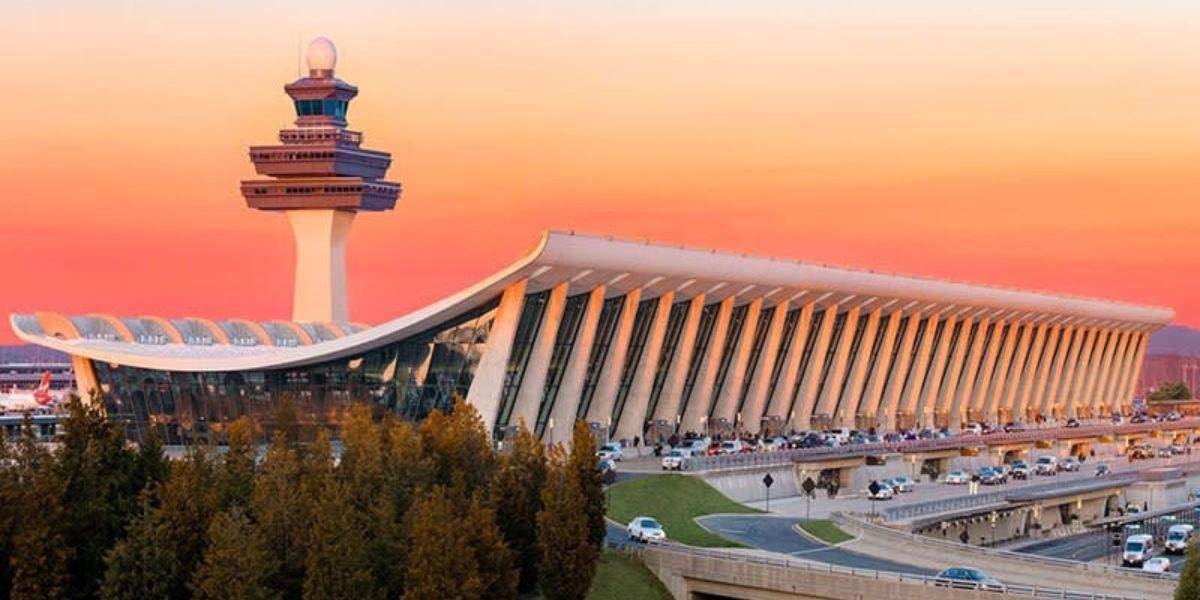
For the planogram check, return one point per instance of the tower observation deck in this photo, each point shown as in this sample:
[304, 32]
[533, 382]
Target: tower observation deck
[320, 176]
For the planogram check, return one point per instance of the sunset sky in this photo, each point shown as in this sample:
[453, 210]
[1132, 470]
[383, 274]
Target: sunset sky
[1047, 147]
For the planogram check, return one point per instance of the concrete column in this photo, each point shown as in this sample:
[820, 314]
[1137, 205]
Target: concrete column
[1101, 347]
[488, 382]
[668, 400]
[961, 390]
[895, 383]
[781, 398]
[1016, 377]
[756, 397]
[85, 378]
[632, 421]
[945, 396]
[319, 295]
[1078, 375]
[1123, 375]
[567, 402]
[927, 405]
[1101, 397]
[883, 363]
[827, 403]
[912, 392]
[1032, 398]
[1066, 340]
[851, 402]
[695, 417]
[987, 369]
[812, 374]
[730, 393]
[533, 384]
[605, 394]
[1000, 375]
[1135, 370]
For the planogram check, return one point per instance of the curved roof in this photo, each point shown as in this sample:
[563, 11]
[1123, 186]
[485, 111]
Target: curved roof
[585, 262]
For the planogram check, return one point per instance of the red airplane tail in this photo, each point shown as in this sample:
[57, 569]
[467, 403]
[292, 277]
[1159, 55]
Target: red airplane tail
[42, 393]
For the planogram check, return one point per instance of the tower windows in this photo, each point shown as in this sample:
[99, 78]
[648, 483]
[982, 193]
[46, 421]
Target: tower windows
[316, 108]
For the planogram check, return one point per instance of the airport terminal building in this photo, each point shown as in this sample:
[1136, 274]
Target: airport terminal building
[640, 339]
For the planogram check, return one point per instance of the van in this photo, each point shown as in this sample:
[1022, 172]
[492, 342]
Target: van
[1178, 538]
[673, 460]
[1138, 548]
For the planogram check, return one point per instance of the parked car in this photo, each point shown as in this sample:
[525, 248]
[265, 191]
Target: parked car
[1141, 451]
[883, 492]
[1177, 449]
[673, 460]
[1138, 549]
[646, 529]
[1178, 538]
[973, 429]
[903, 483]
[775, 443]
[1165, 452]
[1020, 469]
[957, 478]
[1173, 416]
[1072, 422]
[1102, 470]
[613, 451]
[732, 447]
[1158, 564]
[968, 578]
[1046, 465]
[1070, 464]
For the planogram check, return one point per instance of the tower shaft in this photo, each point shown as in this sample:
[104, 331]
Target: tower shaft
[320, 280]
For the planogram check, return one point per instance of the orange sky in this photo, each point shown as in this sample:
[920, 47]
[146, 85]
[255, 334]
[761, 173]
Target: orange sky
[1003, 143]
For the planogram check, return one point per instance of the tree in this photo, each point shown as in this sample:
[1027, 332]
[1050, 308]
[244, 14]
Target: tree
[568, 555]
[281, 512]
[440, 563]
[365, 479]
[498, 572]
[1170, 390]
[38, 555]
[582, 462]
[237, 564]
[165, 545]
[339, 562]
[461, 451]
[101, 491]
[236, 475]
[1189, 578]
[517, 496]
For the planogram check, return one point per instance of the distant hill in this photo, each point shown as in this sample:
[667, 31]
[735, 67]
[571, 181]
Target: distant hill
[1174, 340]
[29, 353]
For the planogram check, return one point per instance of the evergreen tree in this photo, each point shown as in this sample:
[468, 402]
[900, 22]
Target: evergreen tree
[165, 545]
[440, 562]
[237, 468]
[517, 496]
[582, 461]
[339, 562]
[39, 555]
[364, 476]
[460, 450]
[568, 555]
[498, 572]
[1189, 578]
[151, 465]
[101, 491]
[280, 512]
[237, 565]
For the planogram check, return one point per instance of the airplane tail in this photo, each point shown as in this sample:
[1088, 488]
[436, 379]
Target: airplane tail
[42, 394]
[45, 385]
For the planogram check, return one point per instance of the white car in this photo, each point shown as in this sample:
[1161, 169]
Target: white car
[673, 460]
[1046, 465]
[903, 483]
[1158, 564]
[646, 529]
[958, 478]
[884, 492]
[611, 451]
[732, 447]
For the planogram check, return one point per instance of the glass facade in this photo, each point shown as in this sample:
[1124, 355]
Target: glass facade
[855, 347]
[756, 349]
[901, 330]
[408, 378]
[675, 323]
[518, 358]
[327, 107]
[606, 328]
[785, 345]
[737, 321]
[814, 330]
[564, 341]
[643, 322]
[704, 330]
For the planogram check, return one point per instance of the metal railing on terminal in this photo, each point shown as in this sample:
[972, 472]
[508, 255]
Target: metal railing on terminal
[931, 507]
[915, 541]
[1027, 591]
[783, 457]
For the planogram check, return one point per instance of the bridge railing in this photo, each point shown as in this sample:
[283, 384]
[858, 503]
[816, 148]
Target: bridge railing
[783, 457]
[1021, 590]
[932, 507]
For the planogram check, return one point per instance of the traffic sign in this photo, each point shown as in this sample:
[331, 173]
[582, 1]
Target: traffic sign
[873, 488]
[809, 485]
[768, 480]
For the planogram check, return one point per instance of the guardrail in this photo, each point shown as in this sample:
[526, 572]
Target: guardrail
[918, 509]
[783, 457]
[849, 521]
[1027, 591]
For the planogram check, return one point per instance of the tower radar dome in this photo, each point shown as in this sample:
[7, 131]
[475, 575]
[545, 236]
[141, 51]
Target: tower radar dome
[321, 56]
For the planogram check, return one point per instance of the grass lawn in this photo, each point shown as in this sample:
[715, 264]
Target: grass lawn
[623, 577]
[826, 531]
[676, 501]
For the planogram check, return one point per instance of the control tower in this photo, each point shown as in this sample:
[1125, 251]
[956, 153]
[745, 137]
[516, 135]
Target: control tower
[320, 177]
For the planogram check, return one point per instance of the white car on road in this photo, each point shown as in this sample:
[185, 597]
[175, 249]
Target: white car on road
[673, 460]
[611, 451]
[646, 529]
[958, 478]
[883, 492]
[1158, 564]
